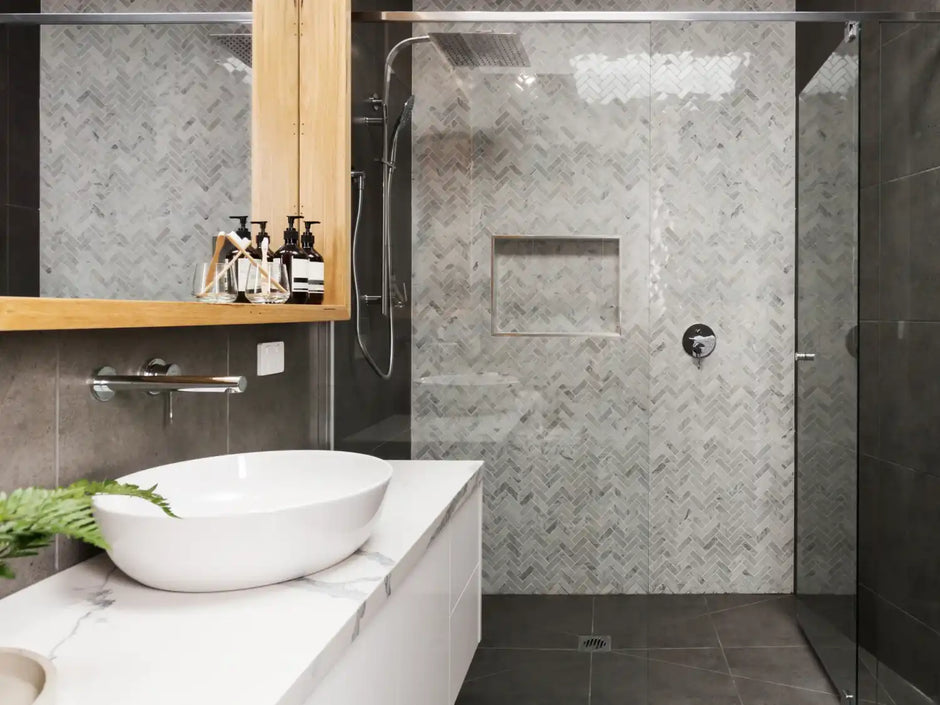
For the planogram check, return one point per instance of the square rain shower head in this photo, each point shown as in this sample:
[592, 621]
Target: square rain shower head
[479, 49]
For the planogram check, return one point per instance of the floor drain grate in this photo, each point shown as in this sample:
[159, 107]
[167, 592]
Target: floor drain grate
[593, 642]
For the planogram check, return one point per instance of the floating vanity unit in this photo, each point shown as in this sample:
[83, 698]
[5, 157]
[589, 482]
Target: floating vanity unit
[395, 623]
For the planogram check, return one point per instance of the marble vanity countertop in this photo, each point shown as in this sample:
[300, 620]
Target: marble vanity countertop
[115, 642]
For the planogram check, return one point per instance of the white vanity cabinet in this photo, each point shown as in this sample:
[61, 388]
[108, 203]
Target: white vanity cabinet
[417, 649]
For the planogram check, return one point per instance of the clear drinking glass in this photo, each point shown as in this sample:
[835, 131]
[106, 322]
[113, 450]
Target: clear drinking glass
[268, 283]
[215, 283]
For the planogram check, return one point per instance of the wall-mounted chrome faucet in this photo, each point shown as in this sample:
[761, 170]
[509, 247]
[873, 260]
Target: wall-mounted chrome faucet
[160, 377]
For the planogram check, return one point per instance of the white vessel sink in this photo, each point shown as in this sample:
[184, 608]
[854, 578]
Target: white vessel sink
[246, 520]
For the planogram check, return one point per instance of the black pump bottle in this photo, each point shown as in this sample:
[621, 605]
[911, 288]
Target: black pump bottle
[295, 260]
[242, 267]
[315, 264]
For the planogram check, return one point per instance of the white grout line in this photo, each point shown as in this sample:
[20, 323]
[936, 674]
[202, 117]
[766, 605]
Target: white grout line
[724, 656]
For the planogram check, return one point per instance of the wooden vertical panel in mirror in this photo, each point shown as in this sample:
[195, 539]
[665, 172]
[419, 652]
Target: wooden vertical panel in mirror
[275, 150]
[325, 126]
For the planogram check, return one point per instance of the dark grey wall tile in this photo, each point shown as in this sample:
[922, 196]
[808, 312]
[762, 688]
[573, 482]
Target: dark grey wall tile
[22, 248]
[908, 647]
[910, 102]
[869, 234]
[894, 263]
[275, 412]
[27, 431]
[23, 117]
[868, 384]
[909, 395]
[869, 105]
[28, 400]
[905, 540]
[869, 518]
[129, 433]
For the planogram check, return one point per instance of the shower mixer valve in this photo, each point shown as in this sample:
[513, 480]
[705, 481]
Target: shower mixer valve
[699, 341]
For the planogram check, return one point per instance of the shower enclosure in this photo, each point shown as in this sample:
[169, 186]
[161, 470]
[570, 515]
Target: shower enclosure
[562, 226]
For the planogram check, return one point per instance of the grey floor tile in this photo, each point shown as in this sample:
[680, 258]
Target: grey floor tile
[625, 678]
[793, 666]
[526, 677]
[536, 621]
[655, 621]
[719, 603]
[767, 623]
[759, 693]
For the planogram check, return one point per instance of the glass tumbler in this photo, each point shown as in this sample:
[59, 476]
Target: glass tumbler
[268, 283]
[215, 283]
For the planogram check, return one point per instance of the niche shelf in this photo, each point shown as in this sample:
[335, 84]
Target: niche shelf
[556, 285]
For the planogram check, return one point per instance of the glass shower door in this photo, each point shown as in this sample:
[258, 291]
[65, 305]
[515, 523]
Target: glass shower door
[826, 378]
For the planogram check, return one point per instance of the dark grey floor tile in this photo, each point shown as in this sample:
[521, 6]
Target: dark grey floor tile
[536, 621]
[719, 603]
[759, 693]
[526, 677]
[655, 621]
[789, 665]
[768, 623]
[624, 678]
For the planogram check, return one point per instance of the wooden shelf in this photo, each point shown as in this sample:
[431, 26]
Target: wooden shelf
[69, 314]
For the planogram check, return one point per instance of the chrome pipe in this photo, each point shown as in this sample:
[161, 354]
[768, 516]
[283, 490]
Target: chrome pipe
[641, 17]
[124, 18]
[183, 383]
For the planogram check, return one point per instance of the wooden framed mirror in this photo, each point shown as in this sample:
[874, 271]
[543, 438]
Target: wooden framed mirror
[134, 137]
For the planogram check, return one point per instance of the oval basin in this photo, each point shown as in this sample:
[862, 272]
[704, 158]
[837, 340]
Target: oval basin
[245, 520]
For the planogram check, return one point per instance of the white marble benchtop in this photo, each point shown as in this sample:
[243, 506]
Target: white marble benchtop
[116, 642]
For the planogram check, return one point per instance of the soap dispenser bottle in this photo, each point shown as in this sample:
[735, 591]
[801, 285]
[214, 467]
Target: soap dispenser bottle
[242, 267]
[262, 242]
[295, 260]
[315, 266]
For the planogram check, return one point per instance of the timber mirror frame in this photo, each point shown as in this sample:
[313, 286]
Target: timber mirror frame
[300, 164]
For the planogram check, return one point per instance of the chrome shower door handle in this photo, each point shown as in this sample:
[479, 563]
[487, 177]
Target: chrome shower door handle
[805, 357]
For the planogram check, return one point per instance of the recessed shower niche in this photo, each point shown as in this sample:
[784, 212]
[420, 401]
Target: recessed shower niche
[535, 277]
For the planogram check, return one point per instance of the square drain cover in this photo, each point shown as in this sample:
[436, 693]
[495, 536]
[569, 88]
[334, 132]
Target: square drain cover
[593, 642]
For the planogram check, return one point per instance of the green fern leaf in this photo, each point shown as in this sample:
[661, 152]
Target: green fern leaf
[31, 517]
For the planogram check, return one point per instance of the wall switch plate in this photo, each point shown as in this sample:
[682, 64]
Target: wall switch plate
[270, 358]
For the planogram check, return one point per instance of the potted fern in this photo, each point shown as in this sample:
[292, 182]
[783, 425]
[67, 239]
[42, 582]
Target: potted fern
[30, 519]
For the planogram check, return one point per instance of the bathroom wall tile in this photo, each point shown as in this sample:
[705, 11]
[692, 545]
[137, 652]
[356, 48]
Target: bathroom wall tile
[28, 397]
[909, 395]
[896, 213]
[23, 117]
[27, 432]
[906, 542]
[103, 440]
[906, 646]
[275, 412]
[870, 105]
[910, 255]
[869, 520]
[869, 238]
[910, 103]
[23, 250]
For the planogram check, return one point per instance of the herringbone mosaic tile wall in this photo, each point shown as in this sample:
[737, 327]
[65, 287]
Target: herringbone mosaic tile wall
[827, 389]
[614, 464]
[146, 138]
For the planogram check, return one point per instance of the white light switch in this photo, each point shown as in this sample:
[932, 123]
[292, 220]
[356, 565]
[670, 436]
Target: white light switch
[270, 358]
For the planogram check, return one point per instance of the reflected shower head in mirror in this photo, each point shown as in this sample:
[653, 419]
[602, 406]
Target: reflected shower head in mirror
[479, 49]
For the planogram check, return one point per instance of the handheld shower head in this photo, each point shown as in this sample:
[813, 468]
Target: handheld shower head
[404, 118]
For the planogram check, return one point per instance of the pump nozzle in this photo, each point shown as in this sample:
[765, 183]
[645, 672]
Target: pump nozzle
[264, 233]
[310, 223]
[242, 220]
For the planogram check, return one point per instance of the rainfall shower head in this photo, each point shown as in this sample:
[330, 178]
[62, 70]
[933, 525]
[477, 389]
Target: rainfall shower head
[237, 44]
[477, 49]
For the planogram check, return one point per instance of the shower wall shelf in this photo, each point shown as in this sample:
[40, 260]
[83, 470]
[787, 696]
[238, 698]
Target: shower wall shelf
[300, 147]
[532, 277]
